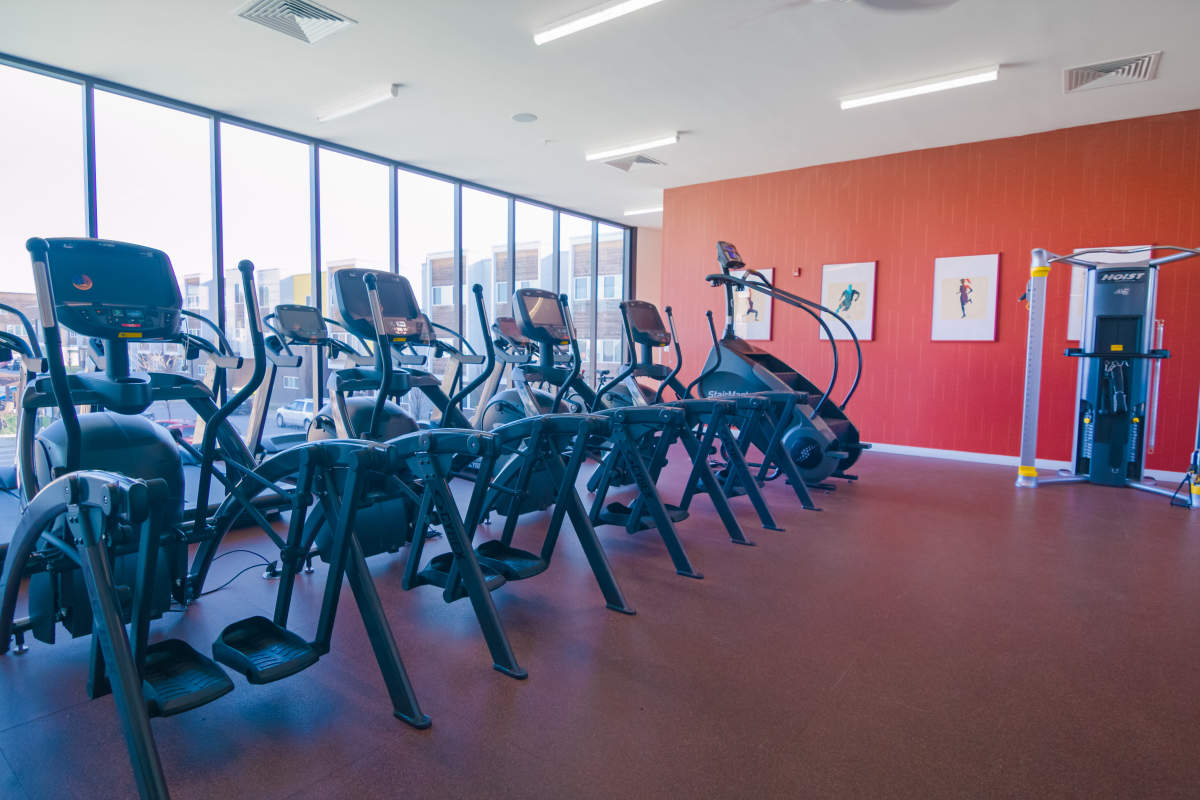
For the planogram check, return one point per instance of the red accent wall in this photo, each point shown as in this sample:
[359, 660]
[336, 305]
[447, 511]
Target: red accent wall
[1132, 182]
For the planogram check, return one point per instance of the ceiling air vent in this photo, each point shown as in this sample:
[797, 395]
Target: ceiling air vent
[1112, 73]
[299, 19]
[626, 163]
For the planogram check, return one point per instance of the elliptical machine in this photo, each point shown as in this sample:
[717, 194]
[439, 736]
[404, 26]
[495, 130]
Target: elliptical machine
[527, 465]
[102, 550]
[822, 440]
[710, 421]
[635, 439]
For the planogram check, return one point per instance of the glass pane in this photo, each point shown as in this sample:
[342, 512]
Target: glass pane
[575, 244]
[535, 249]
[265, 203]
[153, 188]
[609, 293]
[42, 152]
[354, 217]
[485, 259]
[425, 210]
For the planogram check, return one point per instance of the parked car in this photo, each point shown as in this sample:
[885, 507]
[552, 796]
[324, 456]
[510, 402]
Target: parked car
[296, 414]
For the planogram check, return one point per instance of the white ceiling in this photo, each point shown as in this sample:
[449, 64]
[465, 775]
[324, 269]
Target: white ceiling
[752, 84]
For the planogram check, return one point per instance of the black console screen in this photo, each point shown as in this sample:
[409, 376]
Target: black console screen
[644, 317]
[541, 316]
[727, 255]
[113, 290]
[301, 324]
[401, 312]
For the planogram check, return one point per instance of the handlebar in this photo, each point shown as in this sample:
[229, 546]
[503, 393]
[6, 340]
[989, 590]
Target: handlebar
[704, 373]
[807, 306]
[383, 355]
[678, 356]
[466, 390]
[212, 426]
[576, 358]
[38, 249]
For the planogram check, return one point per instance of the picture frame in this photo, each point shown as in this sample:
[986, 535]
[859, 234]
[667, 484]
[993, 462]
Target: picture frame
[752, 310]
[849, 290]
[965, 294]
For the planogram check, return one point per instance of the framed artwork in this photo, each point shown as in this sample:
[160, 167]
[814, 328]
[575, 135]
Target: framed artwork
[849, 289]
[1078, 276]
[752, 310]
[964, 298]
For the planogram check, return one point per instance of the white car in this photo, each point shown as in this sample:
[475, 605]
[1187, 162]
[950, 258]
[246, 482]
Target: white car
[296, 414]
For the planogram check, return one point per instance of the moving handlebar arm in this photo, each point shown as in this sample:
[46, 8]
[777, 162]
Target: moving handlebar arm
[489, 365]
[39, 251]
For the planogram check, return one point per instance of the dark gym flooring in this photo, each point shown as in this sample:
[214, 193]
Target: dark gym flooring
[932, 633]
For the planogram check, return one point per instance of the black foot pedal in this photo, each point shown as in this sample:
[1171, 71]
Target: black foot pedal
[176, 678]
[263, 651]
[437, 573]
[511, 562]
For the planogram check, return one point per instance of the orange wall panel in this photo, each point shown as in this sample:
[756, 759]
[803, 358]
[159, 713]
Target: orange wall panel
[1123, 183]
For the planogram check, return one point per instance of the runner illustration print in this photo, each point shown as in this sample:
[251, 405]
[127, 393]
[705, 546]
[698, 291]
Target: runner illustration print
[750, 309]
[964, 294]
[848, 298]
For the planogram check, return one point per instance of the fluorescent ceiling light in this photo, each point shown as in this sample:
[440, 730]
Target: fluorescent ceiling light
[923, 87]
[637, 212]
[631, 149]
[588, 19]
[362, 101]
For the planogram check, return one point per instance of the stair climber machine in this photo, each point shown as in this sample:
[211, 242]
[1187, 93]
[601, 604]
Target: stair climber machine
[634, 438]
[104, 539]
[528, 465]
[822, 440]
[704, 420]
[1117, 388]
[726, 423]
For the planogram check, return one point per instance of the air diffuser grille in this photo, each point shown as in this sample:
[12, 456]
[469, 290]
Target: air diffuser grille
[626, 163]
[1112, 73]
[299, 19]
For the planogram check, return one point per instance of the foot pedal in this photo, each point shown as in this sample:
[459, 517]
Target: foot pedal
[176, 678]
[437, 573]
[263, 651]
[511, 562]
[619, 513]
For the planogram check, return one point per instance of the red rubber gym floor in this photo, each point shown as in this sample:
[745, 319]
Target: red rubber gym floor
[933, 632]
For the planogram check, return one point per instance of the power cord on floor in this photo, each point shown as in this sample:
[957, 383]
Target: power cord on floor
[271, 571]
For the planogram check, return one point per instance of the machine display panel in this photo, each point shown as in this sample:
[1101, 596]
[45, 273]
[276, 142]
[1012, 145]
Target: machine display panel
[728, 254]
[113, 290]
[510, 330]
[541, 315]
[301, 323]
[113, 273]
[646, 322]
[401, 312]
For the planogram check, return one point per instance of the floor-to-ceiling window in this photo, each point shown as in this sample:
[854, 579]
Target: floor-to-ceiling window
[265, 219]
[153, 187]
[485, 261]
[534, 246]
[609, 285]
[425, 249]
[355, 229]
[42, 166]
[354, 216]
[575, 264]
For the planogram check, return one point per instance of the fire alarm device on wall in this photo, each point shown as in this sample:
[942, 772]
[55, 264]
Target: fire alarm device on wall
[796, 272]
